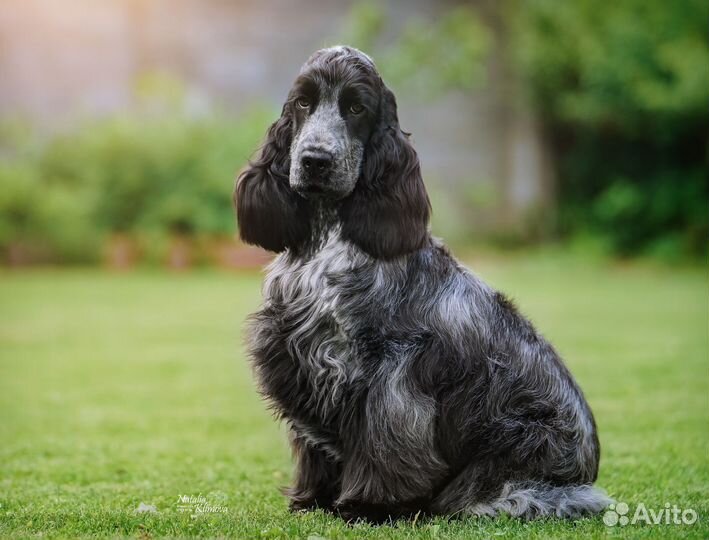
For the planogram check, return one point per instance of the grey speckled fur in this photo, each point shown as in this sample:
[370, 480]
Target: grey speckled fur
[408, 384]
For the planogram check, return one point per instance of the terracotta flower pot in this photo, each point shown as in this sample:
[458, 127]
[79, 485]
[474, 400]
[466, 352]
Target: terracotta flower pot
[121, 252]
[180, 255]
[234, 254]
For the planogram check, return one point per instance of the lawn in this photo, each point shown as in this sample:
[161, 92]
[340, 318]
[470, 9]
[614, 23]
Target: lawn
[122, 389]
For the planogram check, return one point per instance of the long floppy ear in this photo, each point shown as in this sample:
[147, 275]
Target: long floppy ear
[387, 213]
[270, 214]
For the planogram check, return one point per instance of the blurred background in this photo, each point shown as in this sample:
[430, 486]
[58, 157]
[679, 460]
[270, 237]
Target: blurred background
[124, 122]
[565, 148]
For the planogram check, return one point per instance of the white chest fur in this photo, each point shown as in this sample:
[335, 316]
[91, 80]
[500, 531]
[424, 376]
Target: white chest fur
[292, 279]
[299, 291]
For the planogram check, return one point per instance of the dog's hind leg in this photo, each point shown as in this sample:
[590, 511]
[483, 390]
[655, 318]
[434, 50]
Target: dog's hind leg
[530, 500]
[477, 491]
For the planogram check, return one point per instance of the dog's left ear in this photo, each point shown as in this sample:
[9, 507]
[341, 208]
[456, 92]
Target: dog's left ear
[387, 213]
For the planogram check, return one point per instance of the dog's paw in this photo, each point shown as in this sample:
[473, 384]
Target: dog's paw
[305, 501]
[379, 514]
[353, 513]
[301, 505]
[375, 514]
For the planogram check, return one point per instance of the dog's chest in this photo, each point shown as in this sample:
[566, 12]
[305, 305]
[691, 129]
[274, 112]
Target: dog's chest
[301, 283]
[303, 298]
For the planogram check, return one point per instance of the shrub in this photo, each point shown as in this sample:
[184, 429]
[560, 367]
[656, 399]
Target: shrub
[624, 90]
[138, 176]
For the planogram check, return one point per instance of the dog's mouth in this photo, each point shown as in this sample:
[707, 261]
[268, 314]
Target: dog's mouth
[312, 189]
[317, 191]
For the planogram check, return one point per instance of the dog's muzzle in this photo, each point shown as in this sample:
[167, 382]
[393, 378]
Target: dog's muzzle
[316, 167]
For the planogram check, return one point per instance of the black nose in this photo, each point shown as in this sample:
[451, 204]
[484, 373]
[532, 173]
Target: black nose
[316, 164]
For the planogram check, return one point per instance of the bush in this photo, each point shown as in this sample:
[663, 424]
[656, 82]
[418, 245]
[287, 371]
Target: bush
[624, 89]
[138, 176]
[429, 57]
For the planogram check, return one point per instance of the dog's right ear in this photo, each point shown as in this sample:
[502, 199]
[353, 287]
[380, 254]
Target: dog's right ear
[269, 213]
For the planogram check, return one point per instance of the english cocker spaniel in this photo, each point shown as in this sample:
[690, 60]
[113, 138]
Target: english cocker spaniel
[407, 383]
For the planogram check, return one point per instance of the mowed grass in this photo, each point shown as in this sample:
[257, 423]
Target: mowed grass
[121, 389]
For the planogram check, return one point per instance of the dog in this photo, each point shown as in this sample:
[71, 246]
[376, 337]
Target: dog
[408, 385]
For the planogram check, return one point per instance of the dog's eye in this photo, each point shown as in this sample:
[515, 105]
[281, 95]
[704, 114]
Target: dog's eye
[356, 108]
[302, 103]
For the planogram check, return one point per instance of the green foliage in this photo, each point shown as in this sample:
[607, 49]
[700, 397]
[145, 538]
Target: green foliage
[43, 220]
[428, 56]
[632, 65]
[624, 89]
[154, 175]
[22, 207]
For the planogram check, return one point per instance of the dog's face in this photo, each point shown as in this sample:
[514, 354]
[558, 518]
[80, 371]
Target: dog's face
[334, 104]
[338, 143]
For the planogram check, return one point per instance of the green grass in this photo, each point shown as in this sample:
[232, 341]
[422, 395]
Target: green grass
[117, 389]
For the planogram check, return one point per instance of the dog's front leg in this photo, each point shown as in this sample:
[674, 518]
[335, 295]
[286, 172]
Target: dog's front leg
[391, 463]
[317, 475]
[377, 493]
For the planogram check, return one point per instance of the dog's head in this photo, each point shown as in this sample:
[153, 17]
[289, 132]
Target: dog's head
[334, 105]
[338, 143]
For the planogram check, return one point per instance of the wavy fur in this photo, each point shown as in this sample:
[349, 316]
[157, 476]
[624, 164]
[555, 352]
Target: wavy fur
[408, 384]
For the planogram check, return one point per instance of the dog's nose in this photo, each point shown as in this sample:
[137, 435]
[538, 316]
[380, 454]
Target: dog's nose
[316, 164]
